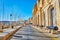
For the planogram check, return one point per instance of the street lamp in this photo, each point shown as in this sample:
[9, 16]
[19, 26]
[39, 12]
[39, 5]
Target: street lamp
[10, 19]
[2, 16]
[3, 10]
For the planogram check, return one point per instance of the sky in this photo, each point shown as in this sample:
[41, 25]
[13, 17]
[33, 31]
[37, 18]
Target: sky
[20, 9]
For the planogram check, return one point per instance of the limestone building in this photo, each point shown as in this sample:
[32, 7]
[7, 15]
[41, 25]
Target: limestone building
[47, 13]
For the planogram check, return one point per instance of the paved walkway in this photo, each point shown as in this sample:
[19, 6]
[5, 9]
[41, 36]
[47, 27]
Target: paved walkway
[7, 32]
[29, 33]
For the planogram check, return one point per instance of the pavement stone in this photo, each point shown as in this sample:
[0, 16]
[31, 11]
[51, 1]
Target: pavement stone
[29, 33]
[6, 32]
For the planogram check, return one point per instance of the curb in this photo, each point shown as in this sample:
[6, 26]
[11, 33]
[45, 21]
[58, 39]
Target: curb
[10, 34]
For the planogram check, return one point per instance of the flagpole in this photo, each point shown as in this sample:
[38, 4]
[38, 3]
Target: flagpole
[3, 14]
[3, 11]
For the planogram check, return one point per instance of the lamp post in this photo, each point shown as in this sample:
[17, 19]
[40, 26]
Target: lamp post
[1, 28]
[3, 10]
[10, 19]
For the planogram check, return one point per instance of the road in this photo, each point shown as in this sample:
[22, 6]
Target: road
[29, 33]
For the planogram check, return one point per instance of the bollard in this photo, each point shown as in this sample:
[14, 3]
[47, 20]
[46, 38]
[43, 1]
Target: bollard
[41, 26]
[55, 30]
[2, 27]
[12, 27]
[37, 25]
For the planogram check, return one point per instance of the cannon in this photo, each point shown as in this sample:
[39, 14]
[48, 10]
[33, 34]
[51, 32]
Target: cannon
[52, 27]
[12, 26]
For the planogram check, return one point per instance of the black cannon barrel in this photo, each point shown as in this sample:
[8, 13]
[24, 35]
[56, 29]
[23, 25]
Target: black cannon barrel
[53, 28]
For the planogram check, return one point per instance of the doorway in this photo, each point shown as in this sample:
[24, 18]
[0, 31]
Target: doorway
[51, 17]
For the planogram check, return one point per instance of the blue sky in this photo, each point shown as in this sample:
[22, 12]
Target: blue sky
[21, 8]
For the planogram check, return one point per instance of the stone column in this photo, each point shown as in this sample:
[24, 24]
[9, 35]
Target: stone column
[40, 18]
[37, 18]
[43, 19]
[46, 17]
[50, 17]
[57, 13]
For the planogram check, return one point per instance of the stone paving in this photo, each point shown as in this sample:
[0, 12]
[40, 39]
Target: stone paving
[6, 32]
[29, 33]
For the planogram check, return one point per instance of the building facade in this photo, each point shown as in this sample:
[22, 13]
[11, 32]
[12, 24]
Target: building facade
[47, 13]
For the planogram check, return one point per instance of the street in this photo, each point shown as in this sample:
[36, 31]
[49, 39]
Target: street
[29, 33]
[29, 19]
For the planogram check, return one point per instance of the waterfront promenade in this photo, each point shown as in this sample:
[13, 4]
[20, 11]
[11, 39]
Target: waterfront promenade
[7, 33]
